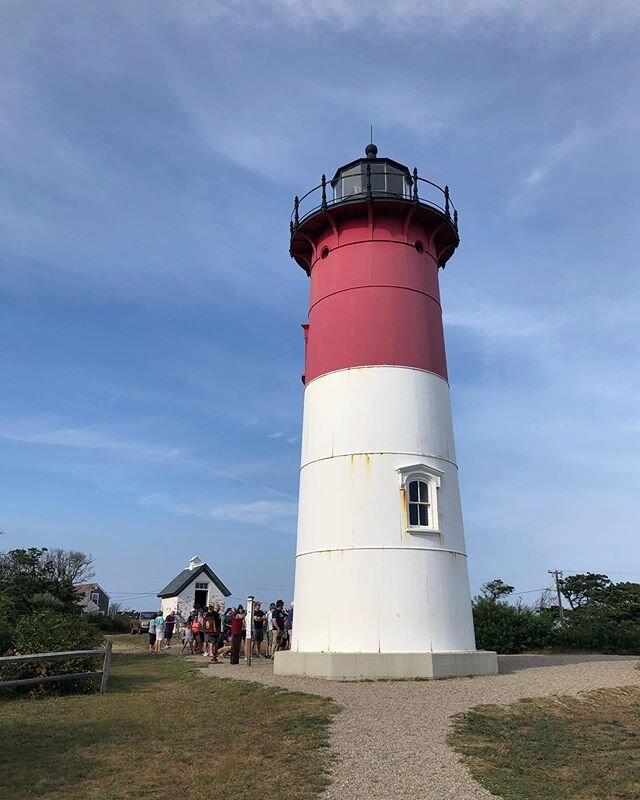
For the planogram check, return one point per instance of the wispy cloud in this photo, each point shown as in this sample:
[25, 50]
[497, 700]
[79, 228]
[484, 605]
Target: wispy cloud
[486, 319]
[390, 16]
[549, 163]
[85, 439]
[276, 435]
[115, 446]
[278, 515]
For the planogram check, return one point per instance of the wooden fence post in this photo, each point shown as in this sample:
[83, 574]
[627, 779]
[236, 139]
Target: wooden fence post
[106, 667]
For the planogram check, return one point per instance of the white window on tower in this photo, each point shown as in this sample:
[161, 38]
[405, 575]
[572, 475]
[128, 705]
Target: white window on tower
[420, 484]
[418, 504]
[202, 585]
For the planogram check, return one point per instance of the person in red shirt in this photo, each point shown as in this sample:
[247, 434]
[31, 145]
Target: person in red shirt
[237, 624]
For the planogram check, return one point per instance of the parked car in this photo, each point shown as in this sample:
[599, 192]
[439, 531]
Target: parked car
[141, 619]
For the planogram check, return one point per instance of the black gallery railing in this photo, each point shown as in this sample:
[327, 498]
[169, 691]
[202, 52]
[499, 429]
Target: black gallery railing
[370, 185]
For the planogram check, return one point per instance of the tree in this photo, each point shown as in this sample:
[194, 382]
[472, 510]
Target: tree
[72, 565]
[495, 589]
[622, 601]
[27, 579]
[582, 588]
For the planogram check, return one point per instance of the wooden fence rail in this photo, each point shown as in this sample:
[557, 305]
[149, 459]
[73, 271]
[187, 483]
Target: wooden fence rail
[66, 655]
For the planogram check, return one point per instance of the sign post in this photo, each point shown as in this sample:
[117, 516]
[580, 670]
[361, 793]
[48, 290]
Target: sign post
[249, 629]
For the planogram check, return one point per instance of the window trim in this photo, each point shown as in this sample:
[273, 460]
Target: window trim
[431, 476]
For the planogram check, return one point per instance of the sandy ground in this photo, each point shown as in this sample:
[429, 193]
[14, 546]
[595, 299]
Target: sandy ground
[390, 739]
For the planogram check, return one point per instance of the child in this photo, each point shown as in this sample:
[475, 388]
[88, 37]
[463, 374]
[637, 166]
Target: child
[187, 640]
[195, 630]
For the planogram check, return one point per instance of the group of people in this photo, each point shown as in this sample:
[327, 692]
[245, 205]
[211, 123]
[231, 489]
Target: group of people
[216, 634]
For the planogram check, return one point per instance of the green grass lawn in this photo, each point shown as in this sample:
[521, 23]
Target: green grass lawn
[562, 748]
[162, 730]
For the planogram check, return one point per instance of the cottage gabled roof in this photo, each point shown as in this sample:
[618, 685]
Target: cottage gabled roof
[83, 588]
[184, 578]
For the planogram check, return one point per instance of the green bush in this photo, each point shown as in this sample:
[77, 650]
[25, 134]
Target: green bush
[511, 629]
[110, 623]
[7, 624]
[47, 631]
[598, 633]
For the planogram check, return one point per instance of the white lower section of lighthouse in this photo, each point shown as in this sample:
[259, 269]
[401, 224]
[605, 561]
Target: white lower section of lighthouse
[382, 588]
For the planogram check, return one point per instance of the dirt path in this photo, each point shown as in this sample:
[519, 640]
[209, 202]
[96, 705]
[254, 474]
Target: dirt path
[390, 740]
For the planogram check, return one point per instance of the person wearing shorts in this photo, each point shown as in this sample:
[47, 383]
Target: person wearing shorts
[152, 635]
[159, 631]
[187, 640]
[258, 628]
[169, 625]
[279, 633]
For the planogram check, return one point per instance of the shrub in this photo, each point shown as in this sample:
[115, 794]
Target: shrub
[600, 634]
[7, 624]
[47, 631]
[510, 629]
[110, 623]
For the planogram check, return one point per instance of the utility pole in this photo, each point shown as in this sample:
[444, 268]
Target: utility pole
[557, 575]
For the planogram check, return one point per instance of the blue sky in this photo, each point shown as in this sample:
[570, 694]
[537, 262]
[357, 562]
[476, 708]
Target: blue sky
[149, 312]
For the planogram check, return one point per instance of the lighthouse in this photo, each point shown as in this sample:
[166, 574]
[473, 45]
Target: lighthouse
[381, 583]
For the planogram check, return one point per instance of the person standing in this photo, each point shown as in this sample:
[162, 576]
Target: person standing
[187, 640]
[279, 632]
[201, 632]
[211, 630]
[270, 629]
[237, 625]
[258, 628]
[217, 620]
[169, 625]
[152, 635]
[195, 629]
[288, 625]
[159, 620]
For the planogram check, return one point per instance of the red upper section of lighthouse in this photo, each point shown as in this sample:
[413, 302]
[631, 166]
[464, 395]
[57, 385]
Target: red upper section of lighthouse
[373, 253]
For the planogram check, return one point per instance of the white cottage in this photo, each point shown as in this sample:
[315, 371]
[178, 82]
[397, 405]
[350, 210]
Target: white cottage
[195, 587]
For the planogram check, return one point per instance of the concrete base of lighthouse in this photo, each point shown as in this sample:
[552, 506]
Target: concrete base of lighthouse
[386, 666]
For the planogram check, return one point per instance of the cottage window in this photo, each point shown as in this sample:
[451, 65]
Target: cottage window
[202, 585]
[420, 484]
[95, 598]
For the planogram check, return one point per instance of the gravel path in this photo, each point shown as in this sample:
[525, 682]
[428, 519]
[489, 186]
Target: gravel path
[390, 739]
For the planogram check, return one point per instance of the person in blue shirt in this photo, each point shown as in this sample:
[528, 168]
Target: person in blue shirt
[159, 620]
